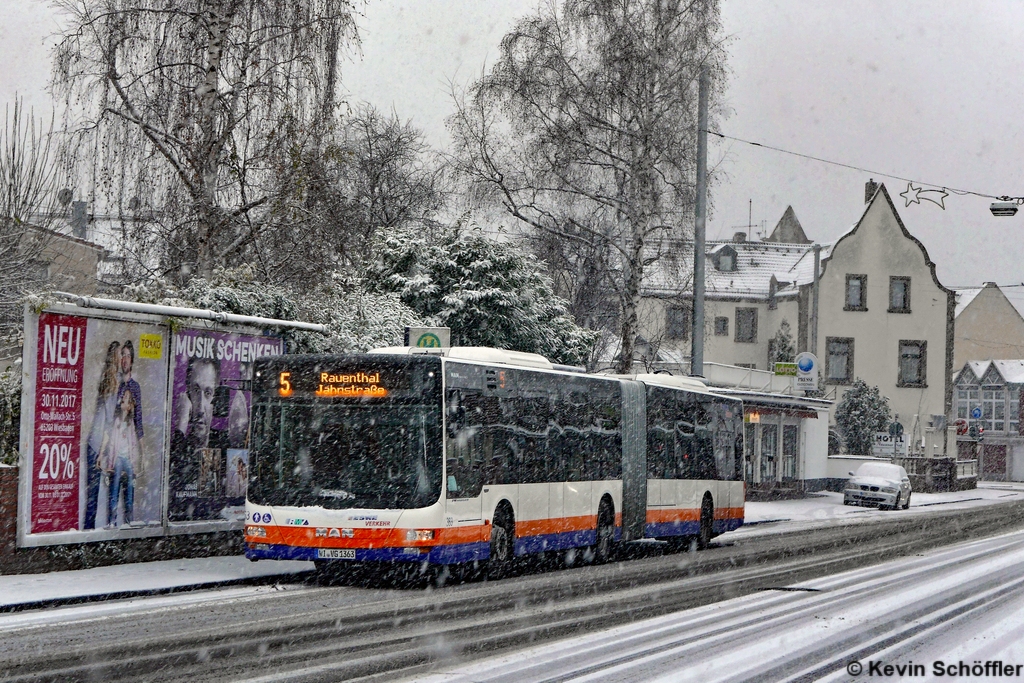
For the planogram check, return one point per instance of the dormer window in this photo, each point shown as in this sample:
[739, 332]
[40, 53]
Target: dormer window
[724, 258]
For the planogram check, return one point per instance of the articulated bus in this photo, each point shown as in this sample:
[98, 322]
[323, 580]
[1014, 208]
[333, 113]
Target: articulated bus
[475, 454]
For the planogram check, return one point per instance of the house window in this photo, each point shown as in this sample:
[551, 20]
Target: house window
[677, 322]
[993, 409]
[913, 357]
[899, 295]
[721, 326]
[967, 398]
[746, 325]
[856, 293]
[726, 262]
[839, 360]
[1013, 413]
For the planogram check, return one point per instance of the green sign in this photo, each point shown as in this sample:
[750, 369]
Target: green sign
[428, 337]
[787, 369]
[429, 340]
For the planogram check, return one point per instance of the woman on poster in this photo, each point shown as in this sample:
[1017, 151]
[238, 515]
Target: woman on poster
[102, 422]
[122, 459]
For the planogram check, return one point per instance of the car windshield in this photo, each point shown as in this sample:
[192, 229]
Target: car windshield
[883, 471]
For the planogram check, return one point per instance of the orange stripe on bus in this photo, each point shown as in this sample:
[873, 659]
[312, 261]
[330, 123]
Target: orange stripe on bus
[555, 525]
[664, 515]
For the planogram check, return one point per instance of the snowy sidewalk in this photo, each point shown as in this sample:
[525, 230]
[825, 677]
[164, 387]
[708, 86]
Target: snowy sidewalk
[825, 508]
[21, 591]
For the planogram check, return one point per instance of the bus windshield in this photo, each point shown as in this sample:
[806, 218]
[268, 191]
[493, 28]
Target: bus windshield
[346, 455]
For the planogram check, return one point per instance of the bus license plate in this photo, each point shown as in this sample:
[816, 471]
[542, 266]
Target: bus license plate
[336, 553]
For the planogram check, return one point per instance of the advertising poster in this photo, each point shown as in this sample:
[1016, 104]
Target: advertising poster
[209, 460]
[55, 459]
[124, 409]
[100, 407]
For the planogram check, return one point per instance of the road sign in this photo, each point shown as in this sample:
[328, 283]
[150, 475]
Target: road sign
[428, 337]
[976, 412]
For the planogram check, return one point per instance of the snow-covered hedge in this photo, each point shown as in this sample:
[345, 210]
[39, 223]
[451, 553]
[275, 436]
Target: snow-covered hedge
[357, 319]
[862, 412]
[488, 292]
[10, 414]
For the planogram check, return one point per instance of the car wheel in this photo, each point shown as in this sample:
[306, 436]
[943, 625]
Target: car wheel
[906, 506]
[502, 544]
[896, 503]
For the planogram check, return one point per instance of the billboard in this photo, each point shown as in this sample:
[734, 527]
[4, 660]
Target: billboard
[128, 426]
[209, 457]
[99, 399]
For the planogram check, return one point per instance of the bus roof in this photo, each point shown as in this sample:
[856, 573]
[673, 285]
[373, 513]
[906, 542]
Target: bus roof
[481, 354]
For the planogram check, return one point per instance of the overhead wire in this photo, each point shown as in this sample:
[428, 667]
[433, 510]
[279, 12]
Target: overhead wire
[882, 174]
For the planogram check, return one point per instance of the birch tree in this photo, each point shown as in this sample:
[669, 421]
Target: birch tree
[585, 129]
[185, 104]
[28, 207]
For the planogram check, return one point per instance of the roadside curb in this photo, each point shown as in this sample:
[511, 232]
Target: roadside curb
[269, 579]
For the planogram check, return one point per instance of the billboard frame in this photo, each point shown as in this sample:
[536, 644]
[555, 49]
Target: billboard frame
[26, 445]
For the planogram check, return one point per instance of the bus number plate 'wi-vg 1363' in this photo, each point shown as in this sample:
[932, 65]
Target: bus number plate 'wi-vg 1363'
[336, 553]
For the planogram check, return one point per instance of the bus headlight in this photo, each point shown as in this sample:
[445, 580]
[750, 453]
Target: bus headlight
[419, 534]
[255, 531]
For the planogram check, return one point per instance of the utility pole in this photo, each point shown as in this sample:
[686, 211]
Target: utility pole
[814, 301]
[697, 338]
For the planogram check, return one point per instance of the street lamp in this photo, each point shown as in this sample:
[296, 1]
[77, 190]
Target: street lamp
[1006, 206]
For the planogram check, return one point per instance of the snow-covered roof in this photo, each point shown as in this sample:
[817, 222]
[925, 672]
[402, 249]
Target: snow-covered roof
[964, 297]
[756, 263]
[1012, 371]
[1013, 293]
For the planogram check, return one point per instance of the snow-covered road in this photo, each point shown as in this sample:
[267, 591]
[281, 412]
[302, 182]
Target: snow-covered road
[964, 603]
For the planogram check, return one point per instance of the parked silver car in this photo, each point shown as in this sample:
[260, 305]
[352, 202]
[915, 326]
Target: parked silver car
[878, 484]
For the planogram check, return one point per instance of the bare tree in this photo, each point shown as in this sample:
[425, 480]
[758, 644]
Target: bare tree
[585, 129]
[28, 177]
[367, 172]
[186, 102]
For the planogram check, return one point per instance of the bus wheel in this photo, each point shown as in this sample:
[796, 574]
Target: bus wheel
[707, 518]
[605, 533]
[503, 540]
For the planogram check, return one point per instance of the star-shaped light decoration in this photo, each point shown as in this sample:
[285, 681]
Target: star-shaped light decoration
[914, 195]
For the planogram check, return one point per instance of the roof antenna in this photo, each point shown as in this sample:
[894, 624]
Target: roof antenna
[750, 211]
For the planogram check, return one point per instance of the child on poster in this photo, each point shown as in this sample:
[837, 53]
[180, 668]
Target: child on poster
[122, 459]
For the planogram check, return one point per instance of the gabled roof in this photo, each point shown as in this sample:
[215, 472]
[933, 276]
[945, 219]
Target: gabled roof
[880, 194]
[788, 230]
[1013, 295]
[1011, 371]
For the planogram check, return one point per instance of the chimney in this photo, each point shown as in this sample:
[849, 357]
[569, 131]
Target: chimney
[79, 219]
[870, 187]
[739, 237]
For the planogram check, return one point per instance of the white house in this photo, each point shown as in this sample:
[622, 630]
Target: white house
[882, 314]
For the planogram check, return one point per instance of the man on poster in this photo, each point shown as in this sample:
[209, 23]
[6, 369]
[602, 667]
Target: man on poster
[193, 425]
[128, 383]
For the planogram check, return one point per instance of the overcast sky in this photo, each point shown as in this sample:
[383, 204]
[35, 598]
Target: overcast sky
[923, 90]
